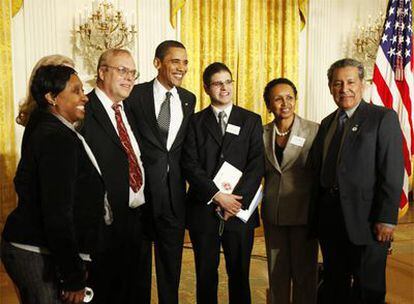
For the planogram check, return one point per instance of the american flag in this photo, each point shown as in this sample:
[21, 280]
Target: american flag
[393, 79]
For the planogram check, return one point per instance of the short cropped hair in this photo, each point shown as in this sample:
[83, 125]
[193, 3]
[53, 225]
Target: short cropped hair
[163, 47]
[104, 58]
[275, 82]
[343, 63]
[49, 79]
[212, 69]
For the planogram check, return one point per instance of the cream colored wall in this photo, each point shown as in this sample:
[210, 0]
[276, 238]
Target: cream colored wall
[45, 27]
[329, 28]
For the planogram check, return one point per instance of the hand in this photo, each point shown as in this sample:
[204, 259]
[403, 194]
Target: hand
[228, 202]
[384, 233]
[73, 297]
[224, 215]
[227, 215]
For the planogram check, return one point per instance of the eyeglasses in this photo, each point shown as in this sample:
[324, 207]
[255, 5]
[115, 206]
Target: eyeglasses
[220, 84]
[124, 72]
[286, 99]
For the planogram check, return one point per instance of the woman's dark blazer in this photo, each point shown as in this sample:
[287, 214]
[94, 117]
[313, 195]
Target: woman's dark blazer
[60, 197]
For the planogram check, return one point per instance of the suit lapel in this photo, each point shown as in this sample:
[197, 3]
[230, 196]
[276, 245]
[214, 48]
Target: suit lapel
[187, 110]
[328, 133]
[148, 108]
[212, 126]
[101, 116]
[353, 129]
[131, 120]
[269, 143]
[236, 120]
[292, 152]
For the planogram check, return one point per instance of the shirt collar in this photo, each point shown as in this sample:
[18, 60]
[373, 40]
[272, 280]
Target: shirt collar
[351, 112]
[105, 100]
[65, 122]
[160, 90]
[226, 110]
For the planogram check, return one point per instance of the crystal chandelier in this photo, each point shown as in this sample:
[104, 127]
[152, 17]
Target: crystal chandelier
[104, 28]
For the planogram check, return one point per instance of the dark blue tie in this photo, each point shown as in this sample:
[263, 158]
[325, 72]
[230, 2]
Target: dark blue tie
[329, 174]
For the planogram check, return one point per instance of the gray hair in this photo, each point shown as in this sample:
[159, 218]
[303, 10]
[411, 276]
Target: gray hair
[346, 62]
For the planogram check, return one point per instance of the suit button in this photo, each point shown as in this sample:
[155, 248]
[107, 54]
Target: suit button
[221, 155]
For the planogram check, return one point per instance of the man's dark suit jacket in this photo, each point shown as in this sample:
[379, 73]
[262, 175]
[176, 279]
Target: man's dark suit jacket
[104, 141]
[205, 150]
[60, 194]
[161, 187]
[118, 267]
[370, 169]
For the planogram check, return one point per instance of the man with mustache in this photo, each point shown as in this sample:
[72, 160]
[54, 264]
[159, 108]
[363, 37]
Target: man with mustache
[358, 154]
[109, 130]
[161, 109]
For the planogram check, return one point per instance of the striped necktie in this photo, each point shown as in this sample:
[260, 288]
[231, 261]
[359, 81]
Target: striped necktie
[222, 122]
[135, 174]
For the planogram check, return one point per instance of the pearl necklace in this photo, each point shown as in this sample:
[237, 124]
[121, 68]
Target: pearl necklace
[282, 134]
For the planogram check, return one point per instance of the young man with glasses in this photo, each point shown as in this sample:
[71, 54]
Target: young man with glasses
[222, 133]
[110, 132]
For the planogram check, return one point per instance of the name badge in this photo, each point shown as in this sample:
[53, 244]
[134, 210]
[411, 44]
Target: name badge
[233, 129]
[297, 141]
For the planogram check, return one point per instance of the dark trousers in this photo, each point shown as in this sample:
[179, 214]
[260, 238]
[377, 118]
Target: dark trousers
[237, 247]
[352, 273]
[119, 273]
[34, 274]
[168, 234]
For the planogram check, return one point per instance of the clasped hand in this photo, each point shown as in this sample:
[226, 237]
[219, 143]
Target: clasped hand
[228, 203]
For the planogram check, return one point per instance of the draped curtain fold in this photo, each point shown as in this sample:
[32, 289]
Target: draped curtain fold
[207, 31]
[258, 40]
[175, 6]
[8, 156]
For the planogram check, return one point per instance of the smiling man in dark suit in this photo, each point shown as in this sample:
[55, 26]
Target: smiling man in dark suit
[162, 109]
[109, 130]
[222, 133]
[358, 152]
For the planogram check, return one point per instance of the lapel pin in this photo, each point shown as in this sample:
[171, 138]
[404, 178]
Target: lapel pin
[355, 128]
[186, 103]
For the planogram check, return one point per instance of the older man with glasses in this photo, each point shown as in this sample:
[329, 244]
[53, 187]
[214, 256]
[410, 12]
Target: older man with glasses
[109, 130]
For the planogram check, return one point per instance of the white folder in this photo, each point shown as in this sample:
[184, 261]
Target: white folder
[226, 180]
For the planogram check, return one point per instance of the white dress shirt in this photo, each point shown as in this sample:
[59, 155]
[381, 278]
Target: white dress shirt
[227, 110]
[175, 107]
[135, 198]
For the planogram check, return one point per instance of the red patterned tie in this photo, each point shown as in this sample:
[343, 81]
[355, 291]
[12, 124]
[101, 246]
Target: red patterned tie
[135, 175]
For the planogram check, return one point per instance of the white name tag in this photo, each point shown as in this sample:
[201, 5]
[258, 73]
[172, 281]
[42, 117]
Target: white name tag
[233, 129]
[297, 141]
